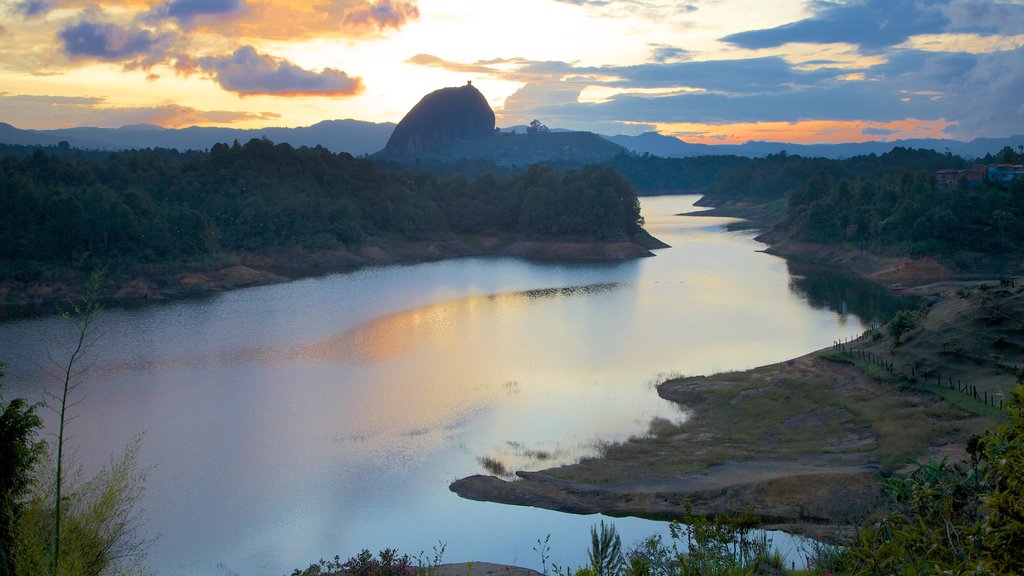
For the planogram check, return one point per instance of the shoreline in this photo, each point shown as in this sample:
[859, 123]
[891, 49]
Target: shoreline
[797, 485]
[818, 478]
[245, 269]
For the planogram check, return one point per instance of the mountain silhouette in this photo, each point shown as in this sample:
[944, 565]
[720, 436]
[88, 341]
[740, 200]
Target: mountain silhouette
[442, 117]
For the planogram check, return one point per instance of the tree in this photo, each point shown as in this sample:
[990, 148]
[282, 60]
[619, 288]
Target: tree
[951, 518]
[1004, 454]
[70, 526]
[904, 321]
[68, 374]
[605, 553]
[101, 531]
[19, 454]
[537, 128]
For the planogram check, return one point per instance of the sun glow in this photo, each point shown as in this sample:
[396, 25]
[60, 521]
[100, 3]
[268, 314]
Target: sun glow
[804, 132]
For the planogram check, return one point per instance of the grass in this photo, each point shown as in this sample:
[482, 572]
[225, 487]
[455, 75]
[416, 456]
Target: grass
[830, 408]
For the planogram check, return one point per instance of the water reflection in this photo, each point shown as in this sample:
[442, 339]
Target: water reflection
[318, 417]
[841, 292]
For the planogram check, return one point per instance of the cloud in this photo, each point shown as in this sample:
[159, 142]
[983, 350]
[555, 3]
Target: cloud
[870, 24]
[651, 9]
[380, 15]
[248, 72]
[175, 116]
[44, 111]
[111, 42]
[986, 99]
[187, 11]
[906, 85]
[538, 97]
[434, 61]
[869, 131]
[32, 8]
[985, 15]
[663, 53]
[290, 21]
[52, 100]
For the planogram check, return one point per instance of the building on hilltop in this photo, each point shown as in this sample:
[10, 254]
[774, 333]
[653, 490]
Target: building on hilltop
[976, 174]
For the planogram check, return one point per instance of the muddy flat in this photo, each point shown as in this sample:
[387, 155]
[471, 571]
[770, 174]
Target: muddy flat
[799, 445]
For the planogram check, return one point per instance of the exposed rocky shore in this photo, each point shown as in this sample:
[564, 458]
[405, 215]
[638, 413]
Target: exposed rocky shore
[255, 268]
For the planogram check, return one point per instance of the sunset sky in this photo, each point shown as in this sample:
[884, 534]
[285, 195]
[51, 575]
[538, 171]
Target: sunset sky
[712, 71]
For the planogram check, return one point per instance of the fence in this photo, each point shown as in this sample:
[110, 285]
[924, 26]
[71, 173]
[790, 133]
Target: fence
[994, 400]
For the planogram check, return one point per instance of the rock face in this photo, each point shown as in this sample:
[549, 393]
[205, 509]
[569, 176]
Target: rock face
[441, 117]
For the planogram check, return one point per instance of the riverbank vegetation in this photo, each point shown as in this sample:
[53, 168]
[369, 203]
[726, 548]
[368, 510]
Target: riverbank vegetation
[63, 212]
[890, 205]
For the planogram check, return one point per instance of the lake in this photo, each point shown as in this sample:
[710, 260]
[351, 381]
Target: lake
[292, 422]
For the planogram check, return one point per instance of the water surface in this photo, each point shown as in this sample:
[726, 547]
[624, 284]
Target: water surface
[292, 422]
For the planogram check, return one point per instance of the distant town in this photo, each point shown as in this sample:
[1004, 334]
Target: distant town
[975, 174]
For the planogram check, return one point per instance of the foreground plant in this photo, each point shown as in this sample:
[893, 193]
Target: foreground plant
[387, 563]
[20, 453]
[954, 519]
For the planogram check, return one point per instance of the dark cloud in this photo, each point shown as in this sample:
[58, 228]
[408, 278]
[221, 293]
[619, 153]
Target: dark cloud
[381, 15]
[870, 24]
[985, 16]
[187, 11]
[878, 132]
[663, 53]
[248, 72]
[986, 100]
[730, 77]
[32, 8]
[111, 42]
[908, 85]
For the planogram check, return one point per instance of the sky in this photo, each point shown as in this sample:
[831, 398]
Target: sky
[707, 71]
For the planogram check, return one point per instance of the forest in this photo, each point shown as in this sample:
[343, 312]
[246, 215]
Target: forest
[910, 212]
[61, 206]
[66, 207]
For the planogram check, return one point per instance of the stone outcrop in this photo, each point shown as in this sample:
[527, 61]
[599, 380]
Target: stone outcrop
[441, 117]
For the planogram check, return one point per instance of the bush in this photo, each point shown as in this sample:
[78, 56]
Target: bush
[101, 524]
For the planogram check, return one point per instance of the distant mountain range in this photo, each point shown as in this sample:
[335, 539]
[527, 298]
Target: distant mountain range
[358, 138]
[352, 136]
[669, 147]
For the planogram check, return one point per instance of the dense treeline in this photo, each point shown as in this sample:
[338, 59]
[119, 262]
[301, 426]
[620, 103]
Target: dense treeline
[154, 205]
[910, 212]
[777, 175]
[657, 175]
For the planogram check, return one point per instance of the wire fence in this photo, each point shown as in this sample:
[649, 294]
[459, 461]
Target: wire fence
[994, 399]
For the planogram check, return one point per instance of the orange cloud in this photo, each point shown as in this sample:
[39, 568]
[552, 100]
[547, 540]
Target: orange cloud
[285, 20]
[804, 131]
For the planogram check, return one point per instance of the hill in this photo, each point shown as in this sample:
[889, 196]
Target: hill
[440, 118]
[509, 150]
[670, 147]
[352, 136]
[453, 124]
